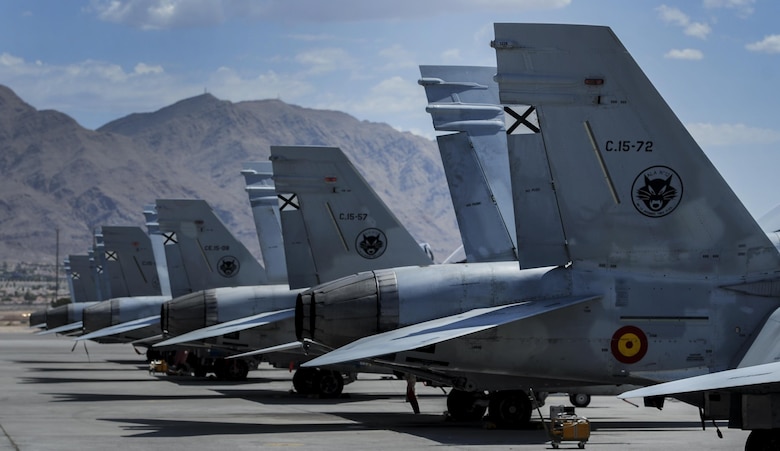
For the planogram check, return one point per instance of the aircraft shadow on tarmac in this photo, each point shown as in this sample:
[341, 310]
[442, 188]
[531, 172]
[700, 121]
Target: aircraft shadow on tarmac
[70, 380]
[431, 427]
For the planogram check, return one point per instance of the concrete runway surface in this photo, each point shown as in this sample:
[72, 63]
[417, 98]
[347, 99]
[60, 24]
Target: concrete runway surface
[55, 399]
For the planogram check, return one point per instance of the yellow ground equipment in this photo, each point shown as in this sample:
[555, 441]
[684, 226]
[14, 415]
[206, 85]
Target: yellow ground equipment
[566, 426]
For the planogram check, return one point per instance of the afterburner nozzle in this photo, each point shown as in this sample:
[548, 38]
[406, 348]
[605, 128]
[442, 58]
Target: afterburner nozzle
[346, 309]
[100, 315]
[189, 312]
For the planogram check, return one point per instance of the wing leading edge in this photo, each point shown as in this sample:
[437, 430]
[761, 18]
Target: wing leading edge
[754, 377]
[121, 328]
[441, 329]
[228, 327]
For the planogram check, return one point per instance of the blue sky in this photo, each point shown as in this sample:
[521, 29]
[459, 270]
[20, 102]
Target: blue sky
[716, 62]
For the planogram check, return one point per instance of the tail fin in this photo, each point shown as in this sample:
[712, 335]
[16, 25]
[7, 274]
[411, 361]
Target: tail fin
[82, 279]
[212, 256]
[465, 99]
[633, 188]
[265, 209]
[129, 262]
[157, 241]
[98, 254]
[347, 226]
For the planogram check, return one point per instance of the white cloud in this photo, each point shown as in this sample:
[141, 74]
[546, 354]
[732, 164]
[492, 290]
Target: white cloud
[228, 84]
[451, 56]
[673, 15]
[397, 57]
[731, 134]
[744, 7]
[770, 44]
[104, 91]
[142, 69]
[676, 17]
[698, 30]
[325, 60]
[160, 14]
[684, 54]
[6, 59]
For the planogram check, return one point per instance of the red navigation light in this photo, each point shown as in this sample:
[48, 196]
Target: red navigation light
[594, 81]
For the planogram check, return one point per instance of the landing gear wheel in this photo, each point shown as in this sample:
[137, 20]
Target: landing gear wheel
[763, 440]
[579, 399]
[237, 370]
[510, 408]
[465, 406]
[304, 380]
[329, 383]
[231, 370]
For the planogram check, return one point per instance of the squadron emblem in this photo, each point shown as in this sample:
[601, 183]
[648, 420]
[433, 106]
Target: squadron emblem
[371, 243]
[228, 266]
[657, 191]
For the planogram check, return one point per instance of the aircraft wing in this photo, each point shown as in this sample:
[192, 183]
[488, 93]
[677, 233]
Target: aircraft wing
[147, 341]
[439, 330]
[121, 328]
[755, 377]
[228, 327]
[278, 348]
[66, 328]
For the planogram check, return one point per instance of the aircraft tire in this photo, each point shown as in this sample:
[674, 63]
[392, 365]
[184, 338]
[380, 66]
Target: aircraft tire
[231, 370]
[510, 408]
[464, 406]
[304, 380]
[237, 370]
[329, 383]
[579, 399]
[763, 439]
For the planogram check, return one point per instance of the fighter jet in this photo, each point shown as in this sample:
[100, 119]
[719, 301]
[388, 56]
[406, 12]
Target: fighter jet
[203, 253]
[81, 272]
[657, 270]
[333, 224]
[133, 282]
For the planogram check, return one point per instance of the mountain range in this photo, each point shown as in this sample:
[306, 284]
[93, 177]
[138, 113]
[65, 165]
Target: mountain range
[57, 175]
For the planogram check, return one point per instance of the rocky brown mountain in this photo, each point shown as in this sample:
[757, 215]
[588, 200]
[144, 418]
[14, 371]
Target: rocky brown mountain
[55, 174]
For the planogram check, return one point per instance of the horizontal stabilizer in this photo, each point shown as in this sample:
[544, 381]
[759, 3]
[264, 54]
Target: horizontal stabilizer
[38, 326]
[440, 330]
[278, 348]
[121, 328]
[228, 327]
[768, 373]
[66, 328]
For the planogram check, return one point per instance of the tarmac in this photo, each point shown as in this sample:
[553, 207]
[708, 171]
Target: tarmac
[57, 397]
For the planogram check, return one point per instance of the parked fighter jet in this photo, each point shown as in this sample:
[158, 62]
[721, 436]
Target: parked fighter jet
[333, 224]
[133, 282]
[203, 253]
[82, 284]
[653, 252]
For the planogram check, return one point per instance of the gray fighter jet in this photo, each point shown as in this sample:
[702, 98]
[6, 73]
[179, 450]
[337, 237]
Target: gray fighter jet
[657, 271]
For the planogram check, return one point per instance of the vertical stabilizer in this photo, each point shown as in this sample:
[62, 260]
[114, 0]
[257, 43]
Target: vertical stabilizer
[212, 256]
[265, 209]
[464, 99]
[157, 240]
[83, 279]
[102, 278]
[128, 262]
[633, 188]
[347, 226]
